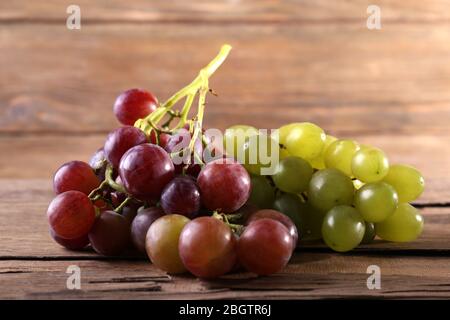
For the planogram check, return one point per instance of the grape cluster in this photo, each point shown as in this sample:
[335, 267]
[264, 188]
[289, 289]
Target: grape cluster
[213, 216]
[337, 189]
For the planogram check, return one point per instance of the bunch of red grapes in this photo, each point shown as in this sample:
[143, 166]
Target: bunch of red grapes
[132, 197]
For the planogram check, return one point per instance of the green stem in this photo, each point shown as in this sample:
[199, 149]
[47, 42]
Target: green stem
[123, 204]
[111, 182]
[94, 192]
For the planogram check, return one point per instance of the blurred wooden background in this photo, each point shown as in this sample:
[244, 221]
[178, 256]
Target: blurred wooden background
[311, 60]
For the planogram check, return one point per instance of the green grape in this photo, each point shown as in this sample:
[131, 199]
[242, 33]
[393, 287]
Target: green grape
[406, 180]
[370, 165]
[235, 137]
[376, 201]
[282, 135]
[305, 140]
[339, 155]
[343, 228]
[262, 154]
[369, 234]
[307, 219]
[263, 194]
[406, 224]
[319, 162]
[329, 188]
[293, 175]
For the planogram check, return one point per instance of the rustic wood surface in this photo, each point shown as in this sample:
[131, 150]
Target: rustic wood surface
[292, 60]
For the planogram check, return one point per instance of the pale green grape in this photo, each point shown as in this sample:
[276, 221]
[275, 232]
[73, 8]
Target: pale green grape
[319, 162]
[339, 155]
[369, 234]
[343, 228]
[293, 175]
[262, 155]
[329, 188]
[370, 165]
[307, 219]
[305, 140]
[235, 137]
[406, 180]
[283, 131]
[406, 224]
[376, 201]
[263, 194]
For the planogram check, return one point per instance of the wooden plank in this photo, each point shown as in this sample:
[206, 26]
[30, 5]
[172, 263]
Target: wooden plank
[308, 276]
[341, 76]
[24, 227]
[31, 157]
[217, 11]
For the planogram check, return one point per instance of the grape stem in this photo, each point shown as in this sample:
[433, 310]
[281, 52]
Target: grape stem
[123, 204]
[237, 228]
[109, 179]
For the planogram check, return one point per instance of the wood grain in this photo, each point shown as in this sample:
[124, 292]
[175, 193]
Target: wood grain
[308, 276]
[344, 77]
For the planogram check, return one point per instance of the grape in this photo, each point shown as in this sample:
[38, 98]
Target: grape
[406, 224]
[261, 154]
[263, 194]
[77, 176]
[129, 212]
[343, 228]
[370, 165]
[280, 217]
[293, 175]
[145, 170]
[376, 201]
[235, 138]
[98, 163]
[134, 104]
[329, 188]
[369, 233]
[406, 180]
[265, 246]
[339, 155]
[121, 140]
[181, 196]
[319, 162]
[163, 139]
[162, 241]
[71, 214]
[283, 132]
[305, 140]
[110, 235]
[307, 219]
[208, 247]
[71, 244]
[224, 184]
[141, 223]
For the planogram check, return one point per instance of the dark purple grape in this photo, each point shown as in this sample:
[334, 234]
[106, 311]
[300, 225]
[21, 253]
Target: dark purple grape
[224, 185]
[71, 244]
[75, 175]
[110, 234]
[120, 141]
[278, 216]
[145, 170]
[181, 196]
[265, 246]
[141, 223]
[71, 214]
[134, 104]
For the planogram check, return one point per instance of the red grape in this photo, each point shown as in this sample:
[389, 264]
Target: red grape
[134, 104]
[141, 223]
[224, 185]
[207, 247]
[265, 246]
[163, 139]
[278, 216]
[71, 214]
[145, 170]
[71, 244]
[75, 175]
[121, 140]
[98, 163]
[110, 234]
[162, 242]
[181, 196]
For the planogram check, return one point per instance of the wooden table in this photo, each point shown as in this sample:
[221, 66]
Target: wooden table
[292, 61]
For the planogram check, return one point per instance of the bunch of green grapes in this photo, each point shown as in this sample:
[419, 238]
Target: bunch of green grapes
[332, 189]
